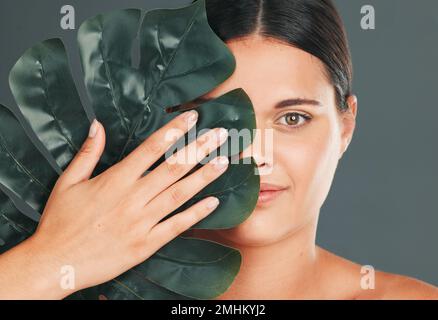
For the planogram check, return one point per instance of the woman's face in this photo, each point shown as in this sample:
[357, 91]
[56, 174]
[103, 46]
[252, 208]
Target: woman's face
[302, 155]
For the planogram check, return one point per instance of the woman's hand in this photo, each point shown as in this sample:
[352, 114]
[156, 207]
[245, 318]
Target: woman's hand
[100, 227]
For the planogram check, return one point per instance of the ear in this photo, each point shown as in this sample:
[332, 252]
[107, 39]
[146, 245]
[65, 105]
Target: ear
[348, 124]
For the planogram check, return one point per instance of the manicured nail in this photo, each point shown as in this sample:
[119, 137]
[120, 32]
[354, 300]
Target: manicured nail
[222, 134]
[220, 163]
[191, 116]
[93, 129]
[212, 203]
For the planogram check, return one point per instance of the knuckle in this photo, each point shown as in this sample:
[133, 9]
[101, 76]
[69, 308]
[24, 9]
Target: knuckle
[86, 149]
[179, 225]
[209, 172]
[171, 135]
[152, 147]
[183, 123]
[177, 195]
[202, 141]
[202, 149]
[174, 168]
[198, 212]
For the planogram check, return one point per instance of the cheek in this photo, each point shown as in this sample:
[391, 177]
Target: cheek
[309, 159]
[305, 161]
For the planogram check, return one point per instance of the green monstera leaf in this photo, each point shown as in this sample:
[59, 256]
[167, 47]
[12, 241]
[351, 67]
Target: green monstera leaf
[14, 226]
[181, 59]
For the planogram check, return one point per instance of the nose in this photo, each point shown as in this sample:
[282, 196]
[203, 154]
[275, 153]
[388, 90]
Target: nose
[261, 150]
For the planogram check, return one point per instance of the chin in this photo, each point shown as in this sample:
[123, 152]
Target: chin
[260, 229]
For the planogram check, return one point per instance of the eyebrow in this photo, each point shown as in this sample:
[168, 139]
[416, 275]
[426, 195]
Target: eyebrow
[296, 102]
[281, 104]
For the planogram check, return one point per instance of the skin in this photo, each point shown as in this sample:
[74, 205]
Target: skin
[277, 242]
[119, 209]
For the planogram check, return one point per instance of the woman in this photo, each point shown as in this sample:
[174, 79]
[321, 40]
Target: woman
[293, 62]
[297, 51]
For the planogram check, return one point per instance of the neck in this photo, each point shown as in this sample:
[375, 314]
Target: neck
[280, 270]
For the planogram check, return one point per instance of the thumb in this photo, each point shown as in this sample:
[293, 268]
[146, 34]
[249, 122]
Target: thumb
[83, 164]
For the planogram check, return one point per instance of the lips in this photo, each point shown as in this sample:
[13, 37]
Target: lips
[269, 192]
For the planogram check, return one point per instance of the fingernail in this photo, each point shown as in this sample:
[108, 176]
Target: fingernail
[222, 134]
[220, 163]
[191, 116]
[212, 203]
[93, 129]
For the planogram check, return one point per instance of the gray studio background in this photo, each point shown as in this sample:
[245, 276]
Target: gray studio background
[382, 208]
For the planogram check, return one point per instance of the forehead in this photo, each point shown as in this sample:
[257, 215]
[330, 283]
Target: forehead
[267, 68]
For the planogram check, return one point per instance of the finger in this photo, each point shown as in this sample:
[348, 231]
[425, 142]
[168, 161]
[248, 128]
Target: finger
[83, 164]
[179, 164]
[176, 195]
[147, 153]
[165, 231]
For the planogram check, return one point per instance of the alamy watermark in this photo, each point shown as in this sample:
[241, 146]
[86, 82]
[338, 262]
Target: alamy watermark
[194, 153]
[68, 17]
[368, 278]
[368, 20]
[67, 281]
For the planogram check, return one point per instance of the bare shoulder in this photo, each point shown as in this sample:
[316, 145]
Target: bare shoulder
[396, 286]
[363, 282]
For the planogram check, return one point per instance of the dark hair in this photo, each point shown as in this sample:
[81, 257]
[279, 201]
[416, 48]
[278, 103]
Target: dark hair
[310, 25]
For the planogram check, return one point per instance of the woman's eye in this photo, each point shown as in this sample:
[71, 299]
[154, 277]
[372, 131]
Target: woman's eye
[294, 119]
